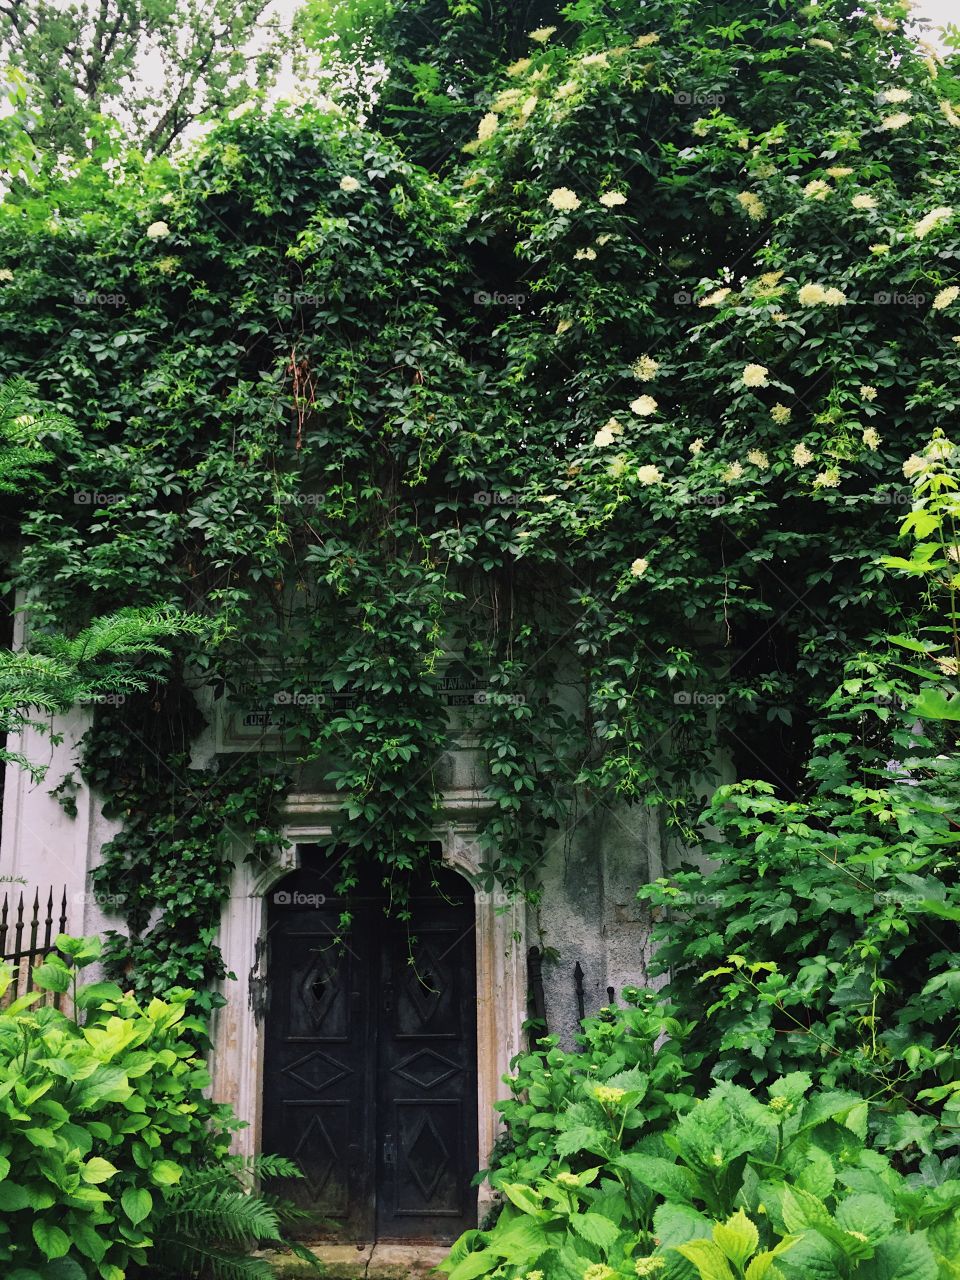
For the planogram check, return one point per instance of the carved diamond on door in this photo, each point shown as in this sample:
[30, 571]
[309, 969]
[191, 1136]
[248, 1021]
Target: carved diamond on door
[316, 1071]
[427, 1158]
[319, 988]
[317, 1156]
[424, 984]
[426, 1069]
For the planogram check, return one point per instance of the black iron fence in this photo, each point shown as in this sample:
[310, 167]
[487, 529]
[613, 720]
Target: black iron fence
[41, 925]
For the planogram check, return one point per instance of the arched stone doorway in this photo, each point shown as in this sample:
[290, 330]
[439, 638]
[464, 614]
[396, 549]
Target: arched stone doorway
[370, 1051]
[237, 1057]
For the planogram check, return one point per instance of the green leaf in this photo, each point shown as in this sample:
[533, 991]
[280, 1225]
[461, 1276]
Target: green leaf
[901, 1257]
[165, 1173]
[737, 1238]
[707, 1258]
[137, 1203]
[867, 1213]
[97, 1170]
[595, 1228]
[51, 1241]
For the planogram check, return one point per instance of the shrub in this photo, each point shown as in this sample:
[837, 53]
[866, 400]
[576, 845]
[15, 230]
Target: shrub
[554, 1105]
[100, 1113]
[735, 1189]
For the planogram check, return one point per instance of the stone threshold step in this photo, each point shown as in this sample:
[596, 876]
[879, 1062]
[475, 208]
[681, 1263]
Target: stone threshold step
[372, 1262]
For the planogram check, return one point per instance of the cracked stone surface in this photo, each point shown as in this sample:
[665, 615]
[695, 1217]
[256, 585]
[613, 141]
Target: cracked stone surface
[371, 1262]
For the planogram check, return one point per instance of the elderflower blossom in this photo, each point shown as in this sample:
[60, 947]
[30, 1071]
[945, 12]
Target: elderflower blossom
[864, 201]
[649, 38]
[771, 278]
[801, 455]
[882, 24]
[755, 375]
[509, 98]
[811, 295]
[752, 204]
[867, 392]
[839, 171]
[563, 199]
[157, 230]
[781, 413]
[588, 255]
[639, 567]
[946, 298]
[567, 89]
[563, 326]
[871, 438]
[618, 467]
[759, 459]
[542, 34]
[485, 129]
[895, 95]
[608, 433]
[166, 265]
[649, 1266]
[714, 299]
[949, 114]
[644, 406]
[696, 446]
[929, 221]
[816, 43]
[6, 273]
[817, 189]
[828, 479]
[896, 121]
[644, 368]
[649, 474]
[595, 59]
[914, 466]
[610, 199]
[604, 239]
[349, 183]
[878, 250]
[733, 472]
[529, 106]
[519, 67]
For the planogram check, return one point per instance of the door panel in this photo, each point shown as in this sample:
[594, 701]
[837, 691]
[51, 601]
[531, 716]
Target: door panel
[370, 1078]
[316, 1104]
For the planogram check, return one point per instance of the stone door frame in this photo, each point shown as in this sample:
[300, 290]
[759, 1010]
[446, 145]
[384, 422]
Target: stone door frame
[239, 1027]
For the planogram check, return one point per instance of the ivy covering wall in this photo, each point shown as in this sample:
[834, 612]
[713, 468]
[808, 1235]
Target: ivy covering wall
[615, 411]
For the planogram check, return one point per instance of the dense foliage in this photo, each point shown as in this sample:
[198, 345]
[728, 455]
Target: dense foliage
[112, 1159]
[783, 1185]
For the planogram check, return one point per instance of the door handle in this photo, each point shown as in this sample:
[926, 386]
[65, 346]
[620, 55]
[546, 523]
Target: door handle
[389, 1150]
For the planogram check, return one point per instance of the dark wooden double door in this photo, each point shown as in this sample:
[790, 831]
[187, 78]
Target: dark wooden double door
[370, 1079]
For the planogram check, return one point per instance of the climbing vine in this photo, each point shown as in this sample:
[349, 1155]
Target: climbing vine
[603, 431]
